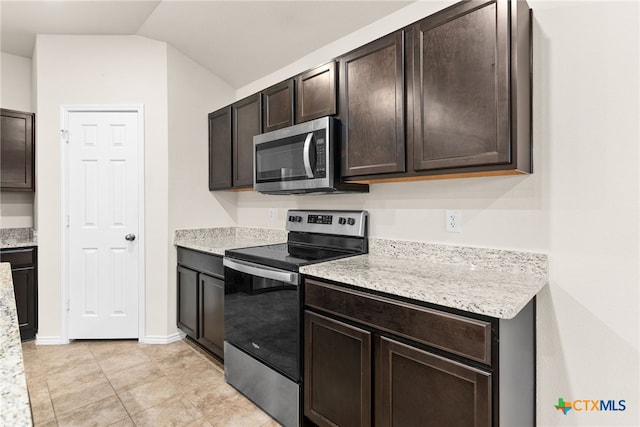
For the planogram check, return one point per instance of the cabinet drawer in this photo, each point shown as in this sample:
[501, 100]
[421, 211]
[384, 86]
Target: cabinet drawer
[205, 263]
[467, 337]
[19, 257]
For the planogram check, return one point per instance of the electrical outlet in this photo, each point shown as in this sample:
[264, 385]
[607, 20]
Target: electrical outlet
[454, 221]
[272, 214]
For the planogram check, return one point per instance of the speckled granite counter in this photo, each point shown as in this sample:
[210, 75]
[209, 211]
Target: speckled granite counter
[17, 238]
[217, 240]
[14, 401]
[491, 282]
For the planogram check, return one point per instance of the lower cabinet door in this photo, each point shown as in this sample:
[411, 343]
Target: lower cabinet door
[418, 388]
[24, 288]
[211, 319]
[337, 373]
[188, 301]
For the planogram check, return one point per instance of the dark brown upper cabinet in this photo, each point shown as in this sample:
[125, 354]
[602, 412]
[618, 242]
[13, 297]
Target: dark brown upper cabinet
[278, 106]
[246, 117]
[17, 153]
[220, 174]
[372, 107]
[471, 88]
[316, 93]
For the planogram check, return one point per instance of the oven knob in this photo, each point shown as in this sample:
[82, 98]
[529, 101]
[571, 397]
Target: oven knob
[351, 221]
[298, 219]
[292, 218]
[342, 221]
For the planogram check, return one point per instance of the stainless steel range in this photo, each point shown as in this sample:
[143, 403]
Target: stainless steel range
[263, 306]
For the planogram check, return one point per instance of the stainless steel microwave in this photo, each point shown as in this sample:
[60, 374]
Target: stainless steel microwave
[304, 158]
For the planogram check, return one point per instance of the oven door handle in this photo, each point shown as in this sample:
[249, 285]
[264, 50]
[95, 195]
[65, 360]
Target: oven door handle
[288, 277]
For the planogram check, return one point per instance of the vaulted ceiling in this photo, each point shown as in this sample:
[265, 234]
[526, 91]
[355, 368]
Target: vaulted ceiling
[239, 41]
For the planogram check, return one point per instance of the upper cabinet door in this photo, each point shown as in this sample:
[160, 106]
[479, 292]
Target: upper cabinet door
[372, 107]
[17, 154]
[220, 149]
[277, 106]
[316, 93]
[461, 87]
[247, 122]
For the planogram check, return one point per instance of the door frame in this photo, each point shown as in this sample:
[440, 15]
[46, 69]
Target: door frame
[65, 110]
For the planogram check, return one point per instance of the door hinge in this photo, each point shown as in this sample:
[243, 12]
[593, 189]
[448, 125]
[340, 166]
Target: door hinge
[67, 305]
[68, 221]
[65, 134]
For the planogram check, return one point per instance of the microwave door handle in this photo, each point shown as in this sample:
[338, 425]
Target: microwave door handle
[307, 155]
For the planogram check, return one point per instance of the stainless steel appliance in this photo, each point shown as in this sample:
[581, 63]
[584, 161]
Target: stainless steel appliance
[304, 158]
[263, 306]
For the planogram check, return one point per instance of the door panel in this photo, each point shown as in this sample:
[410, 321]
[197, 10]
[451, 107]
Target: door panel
[188, 301]
[211, 318]
[418, 388]
[247, 123]
[103, 184]
[372, 108]
[337, 373]
[462, 88]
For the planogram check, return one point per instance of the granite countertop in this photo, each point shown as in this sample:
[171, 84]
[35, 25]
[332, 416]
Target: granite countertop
[218, 240]
[14, 402]
[17, 238]
[490, 282]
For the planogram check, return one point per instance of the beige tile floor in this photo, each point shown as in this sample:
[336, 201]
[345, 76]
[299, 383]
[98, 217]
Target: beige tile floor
[123, 383]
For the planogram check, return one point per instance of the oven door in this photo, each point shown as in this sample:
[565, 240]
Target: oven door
[262, 314]
[295, 158]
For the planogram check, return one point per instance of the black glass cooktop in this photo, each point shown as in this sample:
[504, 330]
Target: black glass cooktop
[286, 256]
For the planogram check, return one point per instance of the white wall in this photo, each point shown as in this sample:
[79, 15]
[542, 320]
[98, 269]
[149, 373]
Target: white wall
[193, 92]
[101, 70]
[581, 204]
[16, 208]
[586, 114]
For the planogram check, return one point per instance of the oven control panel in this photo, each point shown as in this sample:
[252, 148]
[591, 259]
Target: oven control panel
[344, 223]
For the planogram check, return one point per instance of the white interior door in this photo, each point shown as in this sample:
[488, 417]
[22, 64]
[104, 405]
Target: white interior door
[103, 248]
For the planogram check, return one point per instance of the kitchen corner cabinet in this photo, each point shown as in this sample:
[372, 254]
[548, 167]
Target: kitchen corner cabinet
[200, 305]
[316, 93]
[24, 265]
[374, 360]
[17, 151]
[471, 88]
[220, 152]
[372, 107]
[278, 106]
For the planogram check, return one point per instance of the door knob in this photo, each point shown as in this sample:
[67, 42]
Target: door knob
[130, 237]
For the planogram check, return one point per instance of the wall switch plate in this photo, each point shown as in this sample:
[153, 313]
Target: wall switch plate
[453, 221]
[272, 214]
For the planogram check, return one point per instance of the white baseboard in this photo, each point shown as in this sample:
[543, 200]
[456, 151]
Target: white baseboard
[50, 340]
[154, 339]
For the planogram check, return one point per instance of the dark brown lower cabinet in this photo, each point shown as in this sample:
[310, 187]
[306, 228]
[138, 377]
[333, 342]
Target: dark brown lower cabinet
[25, 287]
[200, 291]
[188, 301]
[212, 308]
[373, 360]
[419, 388]
[337, 372]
